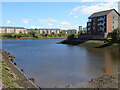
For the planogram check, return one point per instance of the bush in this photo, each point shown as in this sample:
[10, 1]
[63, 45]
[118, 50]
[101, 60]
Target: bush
[9, 35]
[37, 35]
[71, 36]
[116, 35]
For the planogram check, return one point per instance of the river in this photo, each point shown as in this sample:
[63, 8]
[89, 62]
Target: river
[53, 64]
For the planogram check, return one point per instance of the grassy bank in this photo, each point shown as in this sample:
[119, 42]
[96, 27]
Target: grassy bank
[12, 77]
[7, 77]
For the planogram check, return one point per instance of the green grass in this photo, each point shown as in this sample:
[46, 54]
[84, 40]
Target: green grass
[7, 77]
[94, 43]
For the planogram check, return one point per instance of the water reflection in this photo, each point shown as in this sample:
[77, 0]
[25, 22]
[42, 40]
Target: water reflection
[111, 61]
[108, 64]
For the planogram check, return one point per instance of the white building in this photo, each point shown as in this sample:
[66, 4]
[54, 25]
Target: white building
[12, 30]
[74, 31]
[49, 31]
[80, 28]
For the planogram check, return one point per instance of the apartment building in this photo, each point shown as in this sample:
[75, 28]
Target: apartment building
[74, 31]
[103, 22]
[12, 30]
[49, 31]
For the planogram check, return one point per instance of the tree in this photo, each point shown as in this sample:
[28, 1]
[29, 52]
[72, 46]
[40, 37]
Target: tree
[35, 28]
[20, 35]
[116, 35]
[71, 36]
[53, 33]
[36, 35]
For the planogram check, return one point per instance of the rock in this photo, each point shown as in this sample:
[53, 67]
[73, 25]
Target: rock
[22, 70]
[15, 63]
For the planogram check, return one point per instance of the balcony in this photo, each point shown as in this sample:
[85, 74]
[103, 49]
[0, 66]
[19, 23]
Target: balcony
[101, 19]
[100, 24]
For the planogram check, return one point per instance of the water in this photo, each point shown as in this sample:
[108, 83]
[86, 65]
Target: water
[54, 64]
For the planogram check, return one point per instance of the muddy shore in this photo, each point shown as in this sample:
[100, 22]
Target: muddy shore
[18, 77]
[100, 44]
[110, 82]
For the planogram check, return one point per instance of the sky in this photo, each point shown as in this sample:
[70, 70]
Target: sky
[62, 15]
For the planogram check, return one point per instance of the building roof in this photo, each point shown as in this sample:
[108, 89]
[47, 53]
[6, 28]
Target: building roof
[14, 27]
[71, 30]
[48, 29]
[102, 13]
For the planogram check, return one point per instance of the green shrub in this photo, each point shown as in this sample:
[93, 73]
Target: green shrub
[116, 35]
[71, 36]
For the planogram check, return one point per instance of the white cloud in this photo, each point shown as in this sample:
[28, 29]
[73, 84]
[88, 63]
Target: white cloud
[58, 25]
[76, 9]
[99, 0]
[26, 21]
[75, 16]
[49, 24]
[47, 20]
[60, 0]
[89, 9]
[10, 22]
[98, 7]
[64, 23]
[33, 27]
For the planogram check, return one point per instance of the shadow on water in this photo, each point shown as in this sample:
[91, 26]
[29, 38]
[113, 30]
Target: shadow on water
[73, 41]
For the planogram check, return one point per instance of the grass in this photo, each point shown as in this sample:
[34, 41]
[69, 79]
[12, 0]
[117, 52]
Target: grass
[7, 77]
[94, 43]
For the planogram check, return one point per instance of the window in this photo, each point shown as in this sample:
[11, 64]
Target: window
[88, 24]
[113, 27]
[104, 17]
[88, 29]
[113, 21]
[89, 20]
[113, 17]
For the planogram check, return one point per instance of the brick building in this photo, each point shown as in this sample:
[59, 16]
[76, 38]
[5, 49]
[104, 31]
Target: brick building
[103, 22]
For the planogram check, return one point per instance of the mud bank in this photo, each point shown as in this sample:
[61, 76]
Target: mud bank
[92, 43]
[110, 82]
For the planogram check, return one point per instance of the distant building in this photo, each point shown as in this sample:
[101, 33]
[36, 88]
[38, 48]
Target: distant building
[80, 28]
[49, 31]
[13, 30]
[65, 31]
[74, 31]
[103, 22]
[84, 28]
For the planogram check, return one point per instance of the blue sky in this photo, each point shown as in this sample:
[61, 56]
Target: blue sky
[63, 15]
